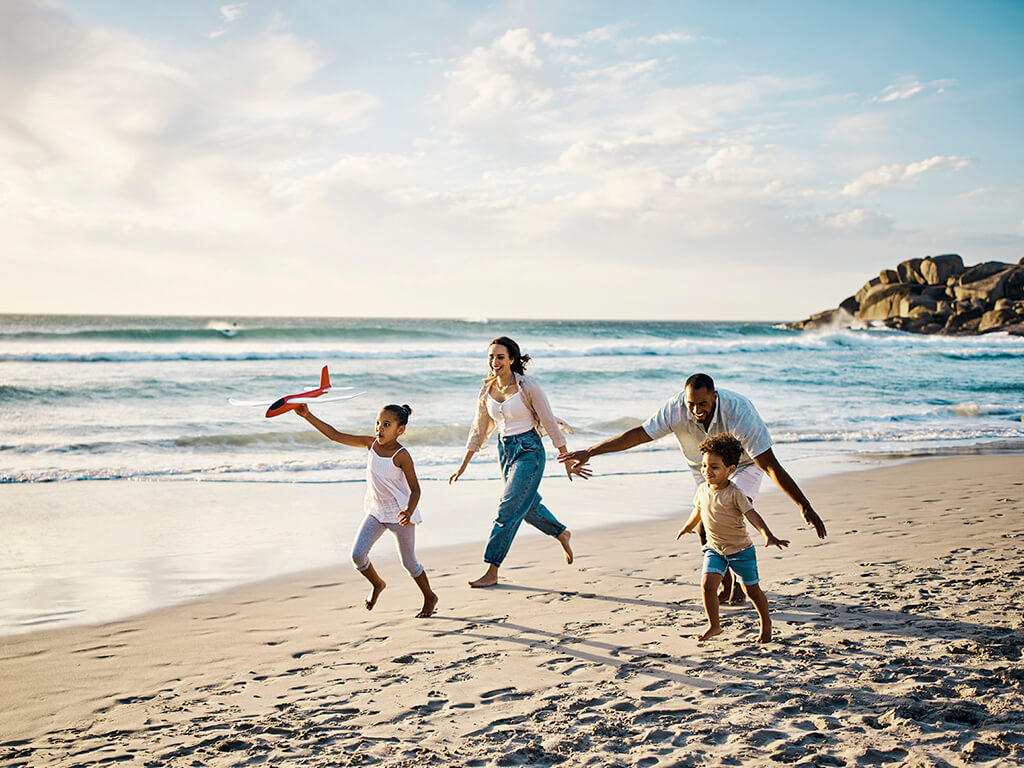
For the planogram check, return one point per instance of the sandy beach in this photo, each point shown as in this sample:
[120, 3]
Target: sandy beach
[897, 642]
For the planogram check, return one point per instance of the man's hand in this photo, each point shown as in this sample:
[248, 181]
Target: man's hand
[573, 460]
[812, 519]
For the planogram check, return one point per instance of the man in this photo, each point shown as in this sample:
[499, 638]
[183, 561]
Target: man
[693, 415]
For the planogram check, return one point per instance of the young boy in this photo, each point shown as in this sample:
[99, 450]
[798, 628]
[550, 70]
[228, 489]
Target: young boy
[721, 506]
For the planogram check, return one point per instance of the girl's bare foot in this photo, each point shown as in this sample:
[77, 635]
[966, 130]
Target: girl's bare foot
[709, 633]
[766, 635]
[489, 579]
[563, 539]
[429, 604]
[374, 594]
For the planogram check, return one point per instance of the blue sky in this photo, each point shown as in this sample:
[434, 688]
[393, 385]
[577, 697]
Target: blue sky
[671, 160]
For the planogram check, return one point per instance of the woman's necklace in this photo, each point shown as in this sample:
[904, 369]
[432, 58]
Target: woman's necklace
[503, 388]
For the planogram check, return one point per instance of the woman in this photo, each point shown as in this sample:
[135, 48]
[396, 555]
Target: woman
[517, 406]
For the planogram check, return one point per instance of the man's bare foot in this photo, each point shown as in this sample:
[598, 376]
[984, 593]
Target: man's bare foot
[563, 539]
[429, 604]
[374, 594]
[709, 633]
[489, 579]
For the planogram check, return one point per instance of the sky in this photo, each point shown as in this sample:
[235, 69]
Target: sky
[725, 160]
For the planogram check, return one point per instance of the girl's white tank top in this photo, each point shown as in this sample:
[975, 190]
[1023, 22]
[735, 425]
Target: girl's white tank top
[387, 490]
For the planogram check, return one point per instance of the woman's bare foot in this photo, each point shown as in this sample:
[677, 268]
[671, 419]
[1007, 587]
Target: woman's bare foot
[489, 579]
[710, 632]
[563, 539]
[429, 604]
[374, 594]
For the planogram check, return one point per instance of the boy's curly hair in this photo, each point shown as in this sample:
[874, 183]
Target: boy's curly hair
[725, 446]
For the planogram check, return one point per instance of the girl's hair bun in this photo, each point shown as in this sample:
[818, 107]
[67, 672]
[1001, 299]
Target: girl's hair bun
[408, 409]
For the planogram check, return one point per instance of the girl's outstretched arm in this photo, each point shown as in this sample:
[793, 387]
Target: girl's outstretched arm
[404, 462]
[356, 441]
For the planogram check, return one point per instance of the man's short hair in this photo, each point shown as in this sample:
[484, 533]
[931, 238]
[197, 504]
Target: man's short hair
[725, 446]
[700, 381]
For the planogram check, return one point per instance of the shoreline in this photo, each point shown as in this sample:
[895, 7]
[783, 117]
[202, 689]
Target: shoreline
[149, 563]
[894, 643]
[153, 579]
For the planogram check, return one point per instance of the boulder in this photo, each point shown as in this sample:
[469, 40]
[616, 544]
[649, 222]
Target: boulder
[1004, 304]
[936, 292]
[1015, 284]
[910, 271]
[996, 319]
[889, 276]
[988, 284]
[936, 270]
[883, 301]
[850, 305]
[963, 322]
[914, 305]
[859, 295]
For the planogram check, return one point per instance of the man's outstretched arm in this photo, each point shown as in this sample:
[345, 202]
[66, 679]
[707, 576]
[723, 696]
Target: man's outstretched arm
[768, 462]
[628, 439]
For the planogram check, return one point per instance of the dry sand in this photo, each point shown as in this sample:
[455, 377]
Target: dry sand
[898, 642]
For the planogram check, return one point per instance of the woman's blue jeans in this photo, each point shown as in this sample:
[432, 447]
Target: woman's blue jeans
[522, 466]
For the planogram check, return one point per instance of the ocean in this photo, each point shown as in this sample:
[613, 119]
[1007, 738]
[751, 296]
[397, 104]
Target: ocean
[145, 399]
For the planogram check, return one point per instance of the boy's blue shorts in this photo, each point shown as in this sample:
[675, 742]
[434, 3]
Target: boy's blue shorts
[743, 564]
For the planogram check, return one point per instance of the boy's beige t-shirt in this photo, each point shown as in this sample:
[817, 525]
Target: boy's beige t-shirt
[723, 513]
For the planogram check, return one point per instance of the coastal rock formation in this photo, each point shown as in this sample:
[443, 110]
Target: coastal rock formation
[936, 294]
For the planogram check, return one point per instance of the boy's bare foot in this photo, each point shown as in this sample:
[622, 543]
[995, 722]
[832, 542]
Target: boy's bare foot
[738, 598]
[709, 633]
[374, 594]
[765, 636]
[723, 597]
[563, 539]
[429, 604]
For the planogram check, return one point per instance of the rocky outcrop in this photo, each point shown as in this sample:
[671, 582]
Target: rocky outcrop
[936, 294]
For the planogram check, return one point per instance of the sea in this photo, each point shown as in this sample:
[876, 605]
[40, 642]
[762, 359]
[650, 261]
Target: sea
[146, 399]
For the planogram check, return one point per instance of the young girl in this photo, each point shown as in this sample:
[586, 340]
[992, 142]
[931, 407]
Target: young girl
[392, 494]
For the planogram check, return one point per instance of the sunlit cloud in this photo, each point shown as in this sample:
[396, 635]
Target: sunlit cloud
[909, 89]
[889, 175]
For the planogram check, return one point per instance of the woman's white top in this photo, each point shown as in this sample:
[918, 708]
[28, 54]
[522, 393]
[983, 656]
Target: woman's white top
[511, 417]
[387, 489]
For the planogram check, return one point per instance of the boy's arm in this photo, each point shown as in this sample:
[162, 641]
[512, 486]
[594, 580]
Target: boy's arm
[409, 470]
[355, 441]
[769, 538]
[691, 524]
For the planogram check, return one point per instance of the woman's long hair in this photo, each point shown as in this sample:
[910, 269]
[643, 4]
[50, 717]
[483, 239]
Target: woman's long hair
[519, 360]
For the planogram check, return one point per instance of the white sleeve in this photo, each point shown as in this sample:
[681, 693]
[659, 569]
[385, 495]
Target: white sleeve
[663, 422]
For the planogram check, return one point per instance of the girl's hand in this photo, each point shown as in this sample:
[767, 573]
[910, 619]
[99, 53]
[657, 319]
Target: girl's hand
[770, 541]
[302, 410]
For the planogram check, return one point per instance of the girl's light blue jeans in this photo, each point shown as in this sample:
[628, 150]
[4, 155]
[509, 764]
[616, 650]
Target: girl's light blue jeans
[522, 466]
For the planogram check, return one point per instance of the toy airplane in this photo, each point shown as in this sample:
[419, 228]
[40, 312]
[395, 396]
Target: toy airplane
[289, 402]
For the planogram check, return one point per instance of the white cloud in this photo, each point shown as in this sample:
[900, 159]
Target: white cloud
[909, 88]
[667, 37]
[497, 78]
[889, 175]
[231, 12]
[974, 193]
[859, 220]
